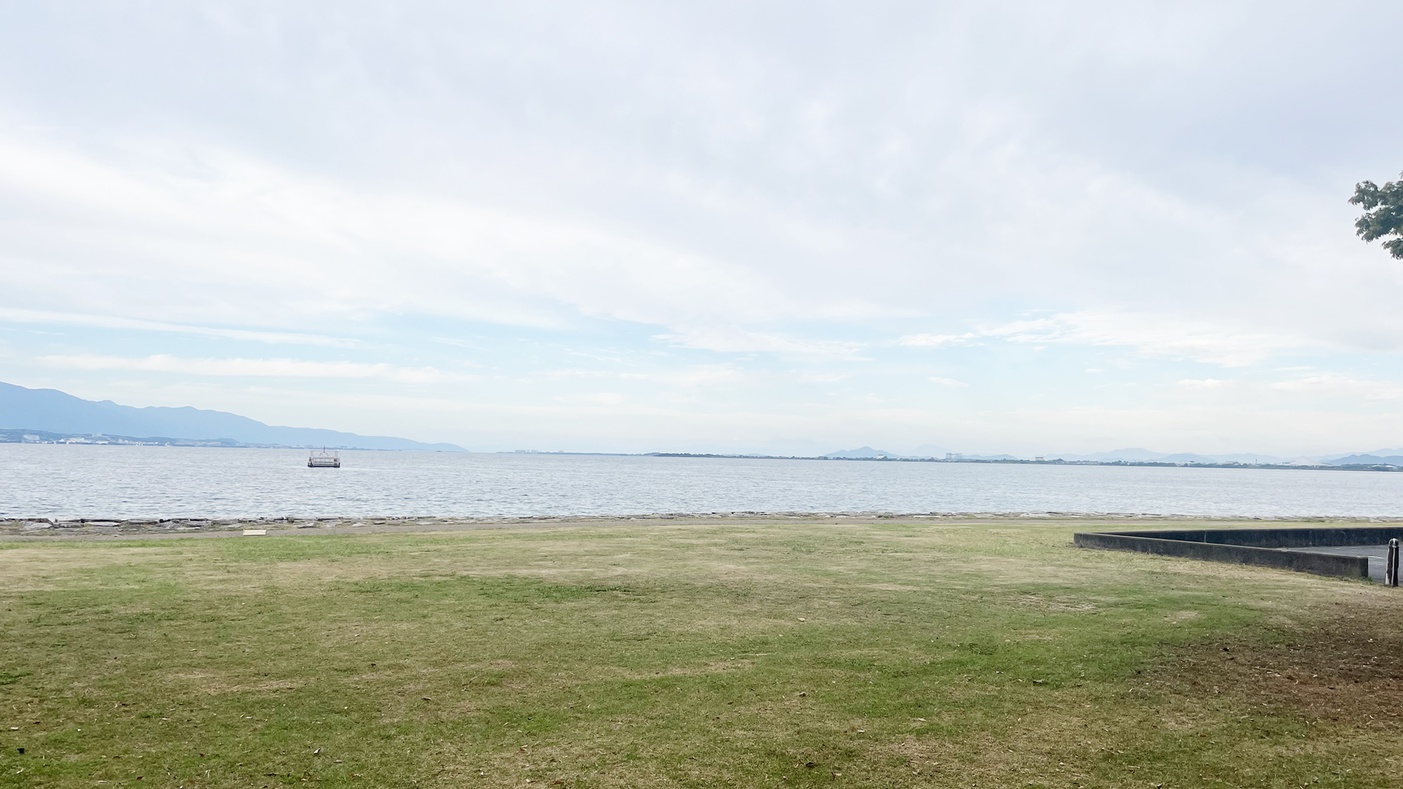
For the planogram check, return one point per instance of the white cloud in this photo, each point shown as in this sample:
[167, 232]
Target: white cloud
[696, 375]
[260, 368]
[950, 382]
[734, 340]
[585, 373]
[705, 375]
[937, 340]
[1342, 386]
[818, 377]
[1157, 335]
[241, 238]
[1147, 334]
[52, 318]
[601, 399]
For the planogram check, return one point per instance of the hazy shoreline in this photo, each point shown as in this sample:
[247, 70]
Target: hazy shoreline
[12, 436]
[98, 528]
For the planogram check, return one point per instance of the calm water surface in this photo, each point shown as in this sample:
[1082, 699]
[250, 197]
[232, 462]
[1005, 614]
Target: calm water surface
[152, 482]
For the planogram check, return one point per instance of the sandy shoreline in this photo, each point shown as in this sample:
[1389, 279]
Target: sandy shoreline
[28, 529]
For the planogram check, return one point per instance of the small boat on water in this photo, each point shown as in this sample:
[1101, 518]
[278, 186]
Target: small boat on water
[324, 459]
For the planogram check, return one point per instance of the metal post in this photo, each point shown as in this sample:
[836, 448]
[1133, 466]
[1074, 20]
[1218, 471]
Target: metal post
[1391, 568]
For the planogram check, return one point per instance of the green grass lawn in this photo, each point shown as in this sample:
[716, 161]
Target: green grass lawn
[711, 654]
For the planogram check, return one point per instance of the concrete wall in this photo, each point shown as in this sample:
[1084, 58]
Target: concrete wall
[1280, 538]
[1164, 544]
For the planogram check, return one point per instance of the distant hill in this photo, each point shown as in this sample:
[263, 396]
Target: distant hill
[1138, 455]
[1131, 455]
[861, 453]
[53, 411]
[1188, 457]
[1370, 459]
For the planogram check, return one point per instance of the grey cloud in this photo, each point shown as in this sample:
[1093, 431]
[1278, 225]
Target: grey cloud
[900, 158]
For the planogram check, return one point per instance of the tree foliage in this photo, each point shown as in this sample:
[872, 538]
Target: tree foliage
[1383, 213]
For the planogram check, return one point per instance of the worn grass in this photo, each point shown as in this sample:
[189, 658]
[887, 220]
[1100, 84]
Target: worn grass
[766, 654]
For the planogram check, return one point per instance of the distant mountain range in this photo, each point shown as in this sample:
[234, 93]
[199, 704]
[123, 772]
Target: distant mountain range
[1137, 455]
[52, 411]
[46, 413]
[861, 453]
[1382, 457]
[868, 453]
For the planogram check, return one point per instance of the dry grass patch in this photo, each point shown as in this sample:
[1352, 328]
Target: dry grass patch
[1345, 664]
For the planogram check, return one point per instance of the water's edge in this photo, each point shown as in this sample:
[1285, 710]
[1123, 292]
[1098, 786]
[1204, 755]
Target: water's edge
[99, 527]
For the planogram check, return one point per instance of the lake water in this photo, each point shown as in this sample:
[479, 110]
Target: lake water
[60, 481]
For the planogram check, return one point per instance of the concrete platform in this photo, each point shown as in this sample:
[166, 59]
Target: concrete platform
[1344, 551]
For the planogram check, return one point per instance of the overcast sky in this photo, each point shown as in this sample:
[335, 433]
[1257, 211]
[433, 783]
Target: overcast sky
[1026, 227]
